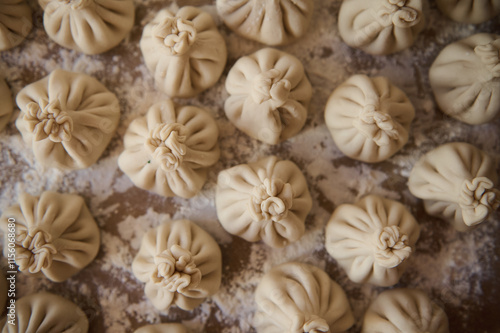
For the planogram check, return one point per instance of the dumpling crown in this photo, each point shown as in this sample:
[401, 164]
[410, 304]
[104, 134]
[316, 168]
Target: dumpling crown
[395, 12]
[391, 246]
[176, 270]
[34, 250]
[271, 200]
[478, 198]
[376, 125]
[490, 56]
[166, 144]
[176, 34]
[47, 120]
[315, 324]
[271, 86]
[77, 4]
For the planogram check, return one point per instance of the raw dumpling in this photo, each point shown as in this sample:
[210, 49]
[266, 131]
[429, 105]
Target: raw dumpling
[269, 95]
[88, 26]
[6, 105]
[266, 200]
[381, 26]
[458, 183]
[162, 328]
[46, 313]
[180, 263]
[296, 297]
[169, 150]
[372, 239]
[465, 78]
[271, 22]
[184, 51]
[404, 311]
[15, 23]
[369, 118]
[56, 236]
[67, 119]
[469, 11]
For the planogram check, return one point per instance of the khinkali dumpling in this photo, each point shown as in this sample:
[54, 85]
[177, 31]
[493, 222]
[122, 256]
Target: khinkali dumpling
[266, 200]
[271, 22]
[6, 105]
[404, 311]
[458, 183]
[56, 236]
[15, 23]
[469, 11]
[67, 119]
[381, 26]
[88, 26]
[269, 95]
[162, 328]
[296, 297]
[372, 239]
[47, 313]
[184, 51]
[169, 150]
[180, 263]
[465, 78]
[369, 118]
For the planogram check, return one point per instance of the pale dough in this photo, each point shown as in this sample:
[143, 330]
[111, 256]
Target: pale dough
[15, 23]
[6, 105]
[469, 11]
[162, 328]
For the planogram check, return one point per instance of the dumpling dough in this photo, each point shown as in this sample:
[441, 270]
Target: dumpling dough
[372, 239]
[369, 118]
[180, 263]
[47, 313]
[88, 26]
[465, 78]
[296, 297]
[381, 26]
[15, 23]
[162, 328]
[67, 119]
[269, 95]
[184, 51]
[271, 22]
[266, 200]
[56, 236]
[403, 311]
[469, 11]
[458, 183]
[6, 105]
[169, 150]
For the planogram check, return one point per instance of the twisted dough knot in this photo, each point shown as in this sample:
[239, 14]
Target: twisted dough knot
[176, 270]
[385, 130]
[34, 250]
[490, 56]
[47, 120]
[478, 199]
[315, 324]
[77, 4]
[395, 12]
[270, 86]
[176, 34]
[271, 200]
[166, 145]
[391, 246]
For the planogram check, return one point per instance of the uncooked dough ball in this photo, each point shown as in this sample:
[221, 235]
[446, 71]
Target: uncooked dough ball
[47, 313]
[404, 311]
[180, 263]
[465, 79]
[269, 95]
[88, 26]
[369, 118]
[6, 105]
[56, 236]
[381, 26]
[266, 200]
[458, 183]
[271, 22]
[162, 328]
[372, 239]
[469, 11]
[169, 150]
[67, 119]
[15, 23]
[296, 297]
[184, 51]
